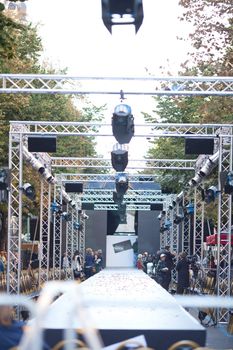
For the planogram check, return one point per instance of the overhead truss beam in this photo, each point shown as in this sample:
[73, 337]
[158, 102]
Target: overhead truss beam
[164, 86]
[104, 178]
[93, 129]
[109, 206]
[172, 164]
[129, 197]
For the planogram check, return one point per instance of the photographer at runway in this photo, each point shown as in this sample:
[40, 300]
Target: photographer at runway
[170, 261]
[182, 268]
[163, 274]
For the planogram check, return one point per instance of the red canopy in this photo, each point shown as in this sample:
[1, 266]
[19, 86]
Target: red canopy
[212, 240]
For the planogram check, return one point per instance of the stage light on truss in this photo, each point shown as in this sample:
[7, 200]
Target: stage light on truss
[29, 191]
[178, 219]
[119, 159]
[121, 183]
[55, 207]
[123, 124]
[76, 225]
[228, 188]
[164, 228]
[196, 180]
[117, 197]
[167, 224]
[189, 208]
[211, 194]
[161, 215]
[66, 216]
[122, 12]
[179, 197]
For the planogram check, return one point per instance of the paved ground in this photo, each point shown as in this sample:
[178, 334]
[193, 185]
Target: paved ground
[217, 337]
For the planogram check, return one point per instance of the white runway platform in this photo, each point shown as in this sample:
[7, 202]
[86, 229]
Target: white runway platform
[124, 303]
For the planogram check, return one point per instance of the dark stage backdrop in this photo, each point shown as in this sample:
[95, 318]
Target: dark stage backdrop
[96, 230]
[148, 231]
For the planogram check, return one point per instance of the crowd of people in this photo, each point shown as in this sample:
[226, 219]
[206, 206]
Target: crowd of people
[93, 263]
[162, 265]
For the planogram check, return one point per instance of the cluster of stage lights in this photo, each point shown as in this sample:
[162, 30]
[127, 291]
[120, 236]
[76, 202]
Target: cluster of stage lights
[123, 131]
[56, 209]
[179, 218]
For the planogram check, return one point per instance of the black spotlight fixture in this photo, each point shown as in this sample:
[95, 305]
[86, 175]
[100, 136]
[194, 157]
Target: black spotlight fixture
[119, 159]
[122, 12]
[123, 124]
[29, 191]
[228, 188]
[118, 198]
[211, 194]
[122, 183]
[66, 216]
[178, 219]
[122, 213]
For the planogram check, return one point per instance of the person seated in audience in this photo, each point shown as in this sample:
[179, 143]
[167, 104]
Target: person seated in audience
[11, 331]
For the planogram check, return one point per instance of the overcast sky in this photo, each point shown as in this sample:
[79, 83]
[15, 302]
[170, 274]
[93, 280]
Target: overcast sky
[74, 37]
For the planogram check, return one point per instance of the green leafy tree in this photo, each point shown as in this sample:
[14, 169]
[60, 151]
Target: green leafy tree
[212, 55]
[20, 49]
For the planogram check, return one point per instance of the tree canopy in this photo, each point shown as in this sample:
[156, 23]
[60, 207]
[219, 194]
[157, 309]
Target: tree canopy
[20, 50]
[212, 55]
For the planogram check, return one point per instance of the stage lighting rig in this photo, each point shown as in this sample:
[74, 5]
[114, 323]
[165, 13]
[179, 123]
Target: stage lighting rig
[196, 180]
[29, 191]
[76, 225]
[55, 208]
[121, 183]
[178, 219]
[117, 197]
[180, 197]
[122, 12]
[167, 224]
[161, 215]
[211, 194]
[122, 213]
[189, 208]
[119, 159]
[123, 123]
[228, 188]
[66, 216]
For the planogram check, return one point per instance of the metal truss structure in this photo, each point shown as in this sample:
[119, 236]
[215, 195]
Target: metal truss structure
[224, 223]
[106, 206]
[192, 86]
[198, 229]
[45, 219]
[165, 86]
[131, 197]
[104, 129]
[100, 163]
[57, 235]
[104, 178]
[186, 228]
